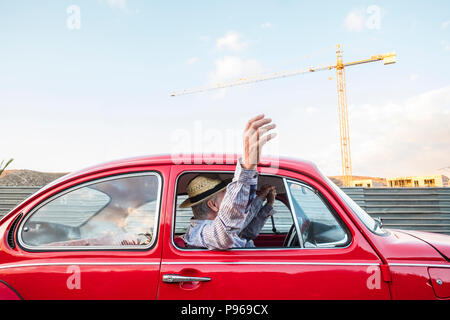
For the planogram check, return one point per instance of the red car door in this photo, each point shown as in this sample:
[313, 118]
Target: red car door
[62, 268]
[349, 272]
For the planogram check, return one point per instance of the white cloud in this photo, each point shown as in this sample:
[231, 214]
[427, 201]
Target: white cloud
[266, 25]
[446, 45]
[355, 20]
[413, 77]
[192, 60]
[120, 4]
[445, 24]
[398, 139]
[232, 67]
[311, 109]
[231, 41]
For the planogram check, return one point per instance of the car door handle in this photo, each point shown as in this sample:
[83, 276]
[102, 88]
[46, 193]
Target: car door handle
[175, 278]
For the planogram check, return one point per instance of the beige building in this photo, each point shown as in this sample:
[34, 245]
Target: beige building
[418, 181]
[366, 183]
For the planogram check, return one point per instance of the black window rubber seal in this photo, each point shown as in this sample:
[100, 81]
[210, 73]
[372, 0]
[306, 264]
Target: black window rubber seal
[11, 240]
[14, 290]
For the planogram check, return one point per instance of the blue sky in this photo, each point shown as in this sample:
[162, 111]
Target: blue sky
[70, 98]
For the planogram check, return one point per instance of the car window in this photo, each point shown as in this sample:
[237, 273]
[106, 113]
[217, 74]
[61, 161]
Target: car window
[112, 212]
[316, 222]
[268, 236]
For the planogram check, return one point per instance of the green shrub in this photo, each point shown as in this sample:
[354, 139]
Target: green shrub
[2, 168]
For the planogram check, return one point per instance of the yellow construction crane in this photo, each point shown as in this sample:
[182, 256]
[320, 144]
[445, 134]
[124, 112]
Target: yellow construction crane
[387, 58]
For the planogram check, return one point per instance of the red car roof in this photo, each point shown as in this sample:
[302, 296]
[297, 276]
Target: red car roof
[198, 159]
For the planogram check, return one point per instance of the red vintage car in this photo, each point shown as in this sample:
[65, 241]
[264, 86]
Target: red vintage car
[73, 240]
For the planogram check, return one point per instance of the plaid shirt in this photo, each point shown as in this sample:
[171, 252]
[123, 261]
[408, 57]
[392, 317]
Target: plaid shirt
[241, 213]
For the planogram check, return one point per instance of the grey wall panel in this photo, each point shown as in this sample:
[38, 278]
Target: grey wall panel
[12, 196]
[426, 209]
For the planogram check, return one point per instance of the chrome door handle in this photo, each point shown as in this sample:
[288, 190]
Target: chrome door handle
[175, 278]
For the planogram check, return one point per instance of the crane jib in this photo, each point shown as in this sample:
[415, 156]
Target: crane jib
[388, 58]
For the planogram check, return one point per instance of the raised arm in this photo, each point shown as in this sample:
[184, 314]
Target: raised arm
[241, 191]
[233, 210]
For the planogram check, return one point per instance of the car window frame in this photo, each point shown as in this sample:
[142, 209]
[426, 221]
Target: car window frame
[148, 247]
[284, 178]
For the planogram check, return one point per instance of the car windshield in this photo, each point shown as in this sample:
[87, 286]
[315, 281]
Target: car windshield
[368, 221]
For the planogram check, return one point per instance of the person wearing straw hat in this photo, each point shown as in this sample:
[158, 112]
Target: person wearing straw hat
[230, 214]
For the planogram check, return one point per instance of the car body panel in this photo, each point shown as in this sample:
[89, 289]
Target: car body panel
[440, 281]
[8, 293]
[438, 241]
[400, 247]
[54, 279]
[410, 282]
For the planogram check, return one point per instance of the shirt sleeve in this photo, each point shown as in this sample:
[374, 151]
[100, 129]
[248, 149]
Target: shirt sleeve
[254, 208]
[254, 227]
[233, 210]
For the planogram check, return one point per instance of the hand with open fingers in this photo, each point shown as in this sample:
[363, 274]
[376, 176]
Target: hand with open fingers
[256, 135]
[271, 195]
[263, 191]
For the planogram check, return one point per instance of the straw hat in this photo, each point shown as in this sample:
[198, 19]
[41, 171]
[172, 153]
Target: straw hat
[202, 188]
